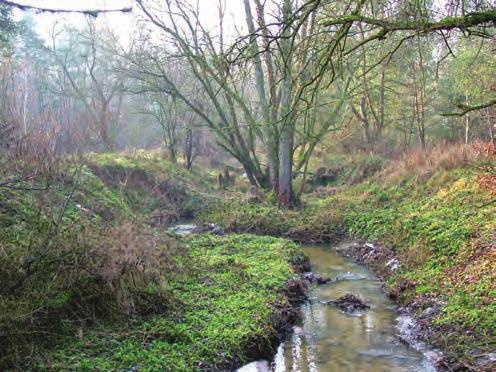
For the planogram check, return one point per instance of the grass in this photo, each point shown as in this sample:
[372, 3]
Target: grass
[152, 185]
[443, 230]
[223, 305]
[439, 231]
[63, 251]
[87, 286]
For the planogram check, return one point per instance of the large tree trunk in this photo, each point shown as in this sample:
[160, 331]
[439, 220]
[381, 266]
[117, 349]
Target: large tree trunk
[285, 189]
[267, 127]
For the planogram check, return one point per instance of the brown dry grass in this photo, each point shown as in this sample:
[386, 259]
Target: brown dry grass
[423, 164]
[135, 256]
[83, 275]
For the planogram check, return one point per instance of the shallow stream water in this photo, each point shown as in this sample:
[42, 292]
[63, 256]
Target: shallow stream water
[329, 340]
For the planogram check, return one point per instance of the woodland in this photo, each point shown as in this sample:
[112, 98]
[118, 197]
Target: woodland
[268, 126]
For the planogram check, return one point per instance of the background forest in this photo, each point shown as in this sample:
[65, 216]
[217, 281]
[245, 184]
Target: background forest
[288, 80]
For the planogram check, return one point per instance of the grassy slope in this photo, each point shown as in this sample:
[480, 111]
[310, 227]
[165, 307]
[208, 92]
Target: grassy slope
[442, 227]
[223, 304]
[67, 301]
[150, 184]
[443, 230]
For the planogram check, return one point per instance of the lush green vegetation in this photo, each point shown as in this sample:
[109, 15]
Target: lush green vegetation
[223, 303]
[442, 229]
[313, 121]
[136, 296]
[64, 243]
[151, 185]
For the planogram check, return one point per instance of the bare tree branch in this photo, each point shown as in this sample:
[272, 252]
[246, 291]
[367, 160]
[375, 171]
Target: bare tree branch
[90, 12]
[465, 109]
[421, 27]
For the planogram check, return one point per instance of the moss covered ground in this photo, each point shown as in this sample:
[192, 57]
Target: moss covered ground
[151, 185]
[88, 284]
[443, 230]
[222, 304]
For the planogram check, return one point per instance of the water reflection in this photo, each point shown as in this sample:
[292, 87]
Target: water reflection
[329, 340]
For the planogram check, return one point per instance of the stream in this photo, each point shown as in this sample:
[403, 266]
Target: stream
[328, 340]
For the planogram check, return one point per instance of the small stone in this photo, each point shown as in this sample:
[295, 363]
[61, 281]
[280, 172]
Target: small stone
[209, 228]
[430, 311]
[486, 359]
[393, 264]
[315, 278]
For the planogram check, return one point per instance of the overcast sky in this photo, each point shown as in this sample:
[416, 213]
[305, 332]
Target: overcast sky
[123, 23]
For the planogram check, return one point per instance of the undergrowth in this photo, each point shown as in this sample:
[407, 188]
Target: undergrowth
[224, 304]
[153, 186]
[76, 248]
[90, 282]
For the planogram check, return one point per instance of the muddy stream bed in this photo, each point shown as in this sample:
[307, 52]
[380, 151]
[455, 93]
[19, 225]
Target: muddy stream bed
[328, 339]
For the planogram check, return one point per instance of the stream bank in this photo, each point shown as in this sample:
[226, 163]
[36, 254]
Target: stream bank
[225, 304]
[327, 338]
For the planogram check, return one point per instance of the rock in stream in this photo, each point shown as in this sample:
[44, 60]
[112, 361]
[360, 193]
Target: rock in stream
[349, 303]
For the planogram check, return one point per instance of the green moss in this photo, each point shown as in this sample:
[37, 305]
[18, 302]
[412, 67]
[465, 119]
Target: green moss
[218, 299]
[223, 305]
[53, 246]
[436, 226]
[150, 184]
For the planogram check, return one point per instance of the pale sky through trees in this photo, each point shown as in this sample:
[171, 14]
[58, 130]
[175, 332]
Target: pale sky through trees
[123, 23]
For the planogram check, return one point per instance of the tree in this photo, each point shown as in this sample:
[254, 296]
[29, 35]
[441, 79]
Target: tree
[260, 89]
[90, 74]
[414, 19]
[8, 29]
